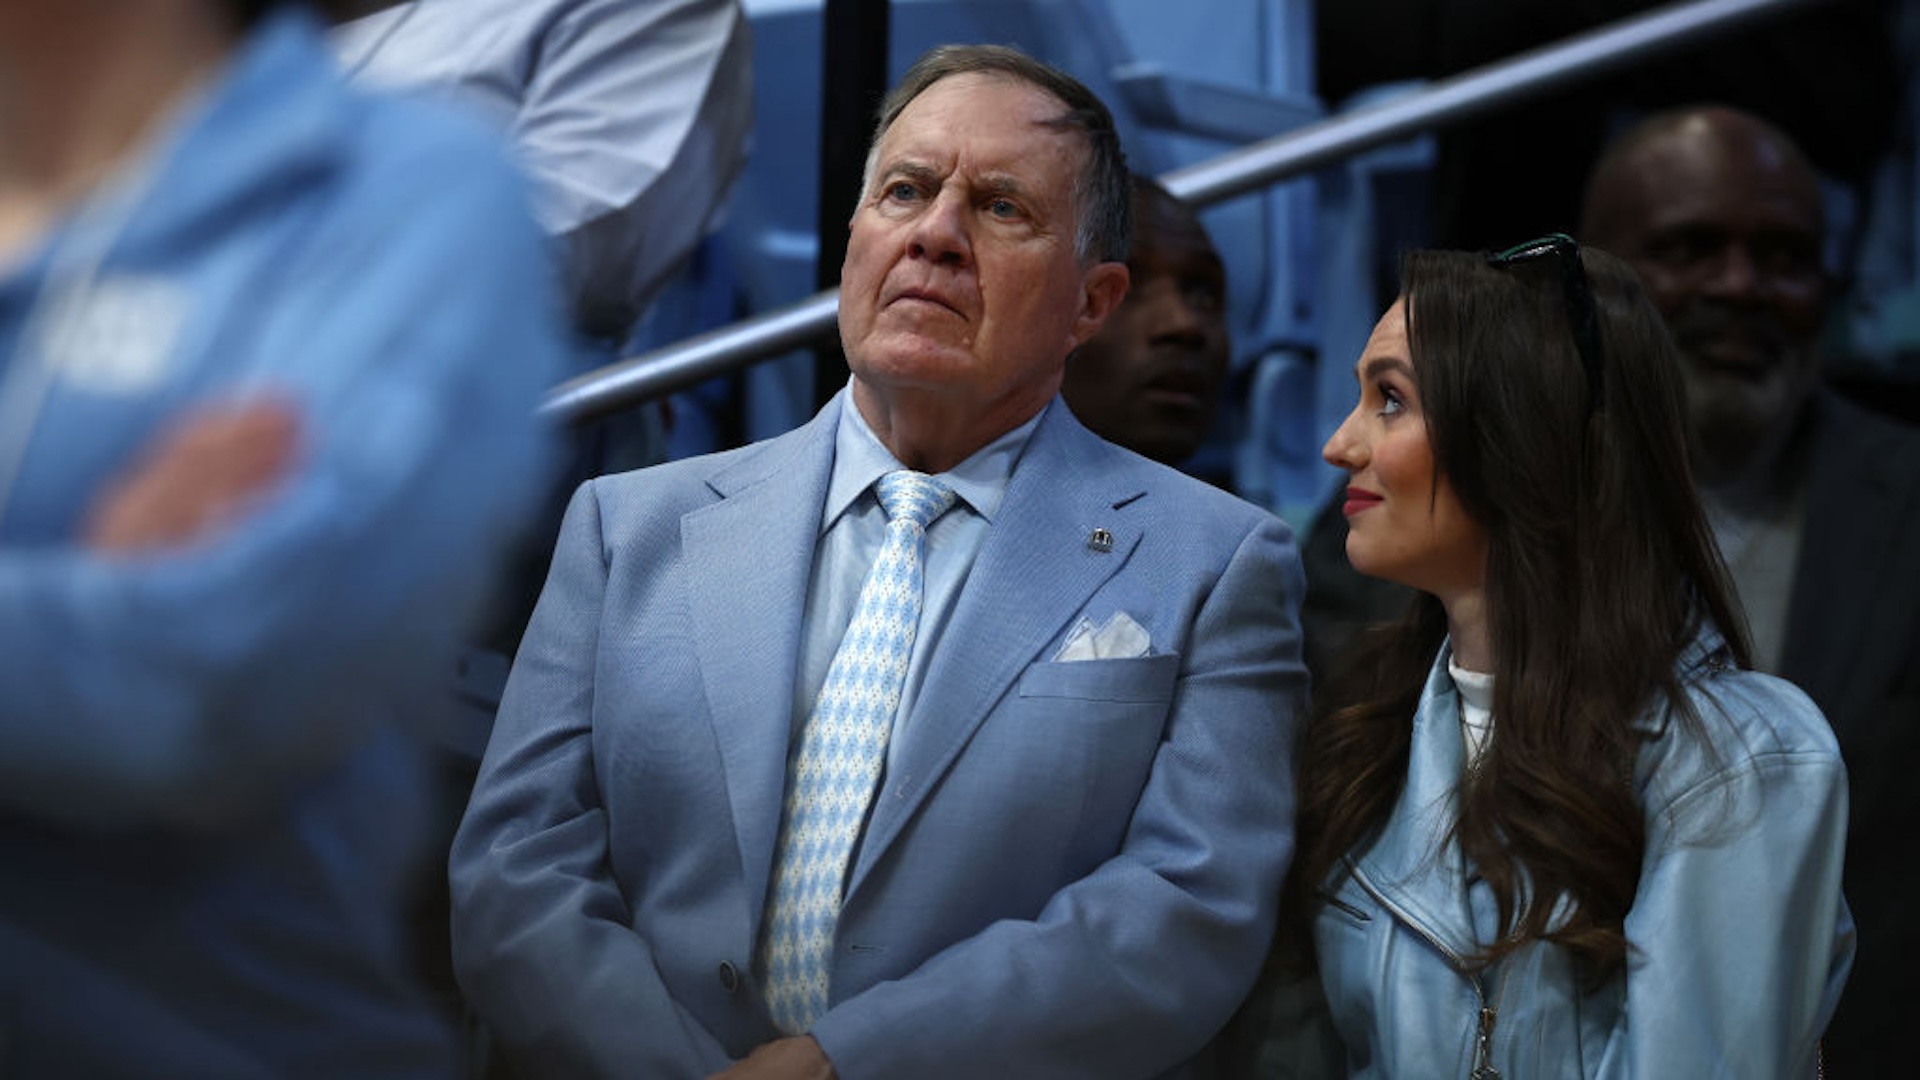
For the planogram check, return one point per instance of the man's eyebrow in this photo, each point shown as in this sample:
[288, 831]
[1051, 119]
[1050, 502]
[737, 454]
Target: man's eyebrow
[911, 170]
[1000, 184]
[1207, 262]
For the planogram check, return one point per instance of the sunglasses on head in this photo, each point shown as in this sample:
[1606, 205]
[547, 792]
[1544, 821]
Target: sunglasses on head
[1582, 316]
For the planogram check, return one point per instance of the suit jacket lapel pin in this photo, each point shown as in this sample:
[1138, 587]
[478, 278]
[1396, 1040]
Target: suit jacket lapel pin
[1100, 540]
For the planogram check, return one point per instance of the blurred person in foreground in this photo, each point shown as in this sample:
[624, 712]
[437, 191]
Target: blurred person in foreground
[268, 355]
[1815, 501]
[1550, 825]
[1150, 379]
[936, 738]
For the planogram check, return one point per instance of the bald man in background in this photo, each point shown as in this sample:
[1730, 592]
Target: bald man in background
[1815, 501]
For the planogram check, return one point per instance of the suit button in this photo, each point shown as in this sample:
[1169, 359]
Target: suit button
[729, 976]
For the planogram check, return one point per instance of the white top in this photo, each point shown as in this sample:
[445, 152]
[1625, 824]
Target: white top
[1476, 709]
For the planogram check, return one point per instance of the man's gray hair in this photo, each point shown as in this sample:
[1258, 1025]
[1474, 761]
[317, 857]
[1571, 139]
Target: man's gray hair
[1101, 193]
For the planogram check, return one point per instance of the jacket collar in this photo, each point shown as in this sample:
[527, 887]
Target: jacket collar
[1415, 867]
[749, 555]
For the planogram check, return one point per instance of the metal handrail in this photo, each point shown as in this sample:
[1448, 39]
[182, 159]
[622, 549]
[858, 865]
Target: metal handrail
[1583, 56]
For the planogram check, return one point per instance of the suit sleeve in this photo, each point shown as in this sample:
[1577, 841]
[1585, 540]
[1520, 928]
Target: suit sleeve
[1128, 971]
[542, 941]
[412, 327]
[1740, 939]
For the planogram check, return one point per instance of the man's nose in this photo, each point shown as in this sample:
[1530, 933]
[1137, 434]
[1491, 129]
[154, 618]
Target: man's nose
[1185, 316]
[940, 232]
[1174, 316]
[1732, 274]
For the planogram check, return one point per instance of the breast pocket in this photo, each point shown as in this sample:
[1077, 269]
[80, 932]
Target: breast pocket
[1088, 731]
[1142, 680]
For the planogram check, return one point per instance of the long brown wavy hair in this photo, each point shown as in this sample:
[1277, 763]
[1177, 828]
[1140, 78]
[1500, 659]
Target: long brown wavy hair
[1600, 570]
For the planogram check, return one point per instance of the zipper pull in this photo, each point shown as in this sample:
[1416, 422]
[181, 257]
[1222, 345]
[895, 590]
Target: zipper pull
[1483, 1056]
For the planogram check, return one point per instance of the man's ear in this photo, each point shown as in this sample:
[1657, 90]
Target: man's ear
[1102, 288]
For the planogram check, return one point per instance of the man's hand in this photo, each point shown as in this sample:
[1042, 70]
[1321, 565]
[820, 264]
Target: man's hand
[195, 477]
[796, 1058]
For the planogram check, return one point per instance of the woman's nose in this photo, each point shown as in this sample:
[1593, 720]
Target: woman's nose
[1344, 449]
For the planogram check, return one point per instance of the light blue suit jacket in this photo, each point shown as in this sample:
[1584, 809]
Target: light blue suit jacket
[1070, 869]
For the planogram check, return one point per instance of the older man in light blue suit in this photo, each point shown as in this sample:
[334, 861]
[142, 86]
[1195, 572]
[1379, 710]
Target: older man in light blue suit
[1067, 858]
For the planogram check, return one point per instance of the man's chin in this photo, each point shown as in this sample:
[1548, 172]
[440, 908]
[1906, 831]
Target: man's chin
[1743, 373]
[1732, 414]
[1735, 363]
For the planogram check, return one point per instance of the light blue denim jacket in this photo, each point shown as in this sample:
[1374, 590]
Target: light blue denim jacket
[1740, 941]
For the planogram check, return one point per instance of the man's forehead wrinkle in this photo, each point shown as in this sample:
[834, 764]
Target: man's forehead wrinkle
[1059, 127]
[1062, 113]
[1662, 184]
[988, 179]
[1703, 154]
[1718, 175]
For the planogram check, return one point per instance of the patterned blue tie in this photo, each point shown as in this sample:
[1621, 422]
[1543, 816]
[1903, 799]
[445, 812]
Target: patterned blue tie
[830, 779]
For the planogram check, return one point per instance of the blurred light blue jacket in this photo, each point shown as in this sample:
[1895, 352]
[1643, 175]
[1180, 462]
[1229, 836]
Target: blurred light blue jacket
[214, 811]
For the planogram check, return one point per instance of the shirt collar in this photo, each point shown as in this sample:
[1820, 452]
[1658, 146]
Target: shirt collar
[859, 459]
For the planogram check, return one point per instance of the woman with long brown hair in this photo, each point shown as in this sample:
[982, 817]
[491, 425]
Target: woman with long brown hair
[1549, 824]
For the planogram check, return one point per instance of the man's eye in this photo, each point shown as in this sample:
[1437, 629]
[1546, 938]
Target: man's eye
[902, 191]
[1003, 208]
[1686, 247]
[1785, 257]
[1204, 296]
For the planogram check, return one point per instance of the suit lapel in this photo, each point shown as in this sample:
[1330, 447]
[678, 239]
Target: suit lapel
[749, 557]
[1034, 572]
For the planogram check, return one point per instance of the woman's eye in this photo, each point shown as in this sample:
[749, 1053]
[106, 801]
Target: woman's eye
[1391, 402]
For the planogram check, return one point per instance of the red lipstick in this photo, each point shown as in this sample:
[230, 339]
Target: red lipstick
[1359, 499]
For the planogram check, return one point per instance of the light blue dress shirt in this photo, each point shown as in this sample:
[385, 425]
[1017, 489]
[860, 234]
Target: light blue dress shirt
[852, 528]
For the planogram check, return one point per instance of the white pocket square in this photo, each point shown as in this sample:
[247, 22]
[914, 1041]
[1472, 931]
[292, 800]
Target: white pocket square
[1120, 638]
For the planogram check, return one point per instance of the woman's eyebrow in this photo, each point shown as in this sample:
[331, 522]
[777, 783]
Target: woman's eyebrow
[1379, 364]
